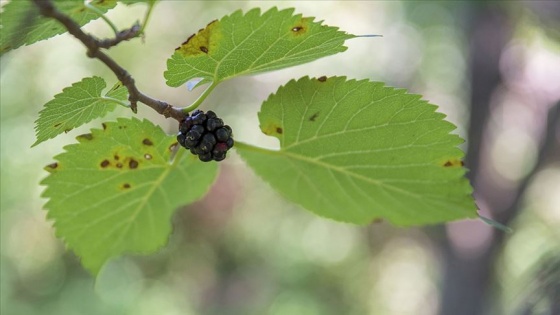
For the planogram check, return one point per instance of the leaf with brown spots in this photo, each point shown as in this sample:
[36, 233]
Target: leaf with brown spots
[75, 106]
[112, 194]
[244, 44]
[356, 151]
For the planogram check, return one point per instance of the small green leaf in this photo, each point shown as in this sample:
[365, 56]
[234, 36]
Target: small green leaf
[22, 24]
[356, 151]
[116, 190]
[75, 106]
[242, 44]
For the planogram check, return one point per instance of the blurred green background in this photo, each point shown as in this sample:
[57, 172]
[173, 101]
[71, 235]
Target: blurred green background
[492, 67]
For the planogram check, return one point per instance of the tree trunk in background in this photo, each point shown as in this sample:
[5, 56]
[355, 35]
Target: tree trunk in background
[467, 279]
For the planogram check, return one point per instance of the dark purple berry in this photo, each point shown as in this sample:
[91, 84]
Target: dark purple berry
[210, 114]
[205, 135]
[222, 134]
[200, 150]
[198, 128]
[207, 143]
[229, 143]
[190, 143]
[206, 157]
[214, 123]
[219, 157]
[181, 138]
[185, 125]
[198, 117]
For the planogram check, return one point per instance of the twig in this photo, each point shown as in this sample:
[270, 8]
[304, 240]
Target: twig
[123, 35]
[93, 45]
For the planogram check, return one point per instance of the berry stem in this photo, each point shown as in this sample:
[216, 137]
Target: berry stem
[200, 99]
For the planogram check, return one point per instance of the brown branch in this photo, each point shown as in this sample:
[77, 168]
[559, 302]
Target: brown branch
[123, 35]
[93, 45]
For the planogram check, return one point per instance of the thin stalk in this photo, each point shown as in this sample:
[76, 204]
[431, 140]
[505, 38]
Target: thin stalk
[116, 101]
[250, 147]
[495, 224]
[200, 99]
[151, 5]
[102, 15]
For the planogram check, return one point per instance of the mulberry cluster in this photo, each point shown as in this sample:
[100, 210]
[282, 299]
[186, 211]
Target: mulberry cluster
[205, 135]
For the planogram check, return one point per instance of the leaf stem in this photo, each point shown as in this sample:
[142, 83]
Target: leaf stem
[250, 147]
[116, 101]
[103, 16]
[200, 99]
[151, 5]
[495, 224]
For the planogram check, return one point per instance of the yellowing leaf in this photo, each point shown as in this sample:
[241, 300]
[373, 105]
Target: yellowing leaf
[242, 44]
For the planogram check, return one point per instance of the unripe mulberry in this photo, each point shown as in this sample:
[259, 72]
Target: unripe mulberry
[205, 135]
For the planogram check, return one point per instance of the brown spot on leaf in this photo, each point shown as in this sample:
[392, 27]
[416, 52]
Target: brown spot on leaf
[133, 164]
[51, 167]
[126, 185]
[173, 146]
[314, 116]
[377, 221]
[105, 163]
[104, 126]
[116, 157]
[453, 163]
[322, 79]
[279, 130]
[190, 37]
[85, 136]
[148, 156]
[200, 42]
[67, 130]
[301, 26]
[57, 125]
[147, 142]
[119, 165]
[122, 127]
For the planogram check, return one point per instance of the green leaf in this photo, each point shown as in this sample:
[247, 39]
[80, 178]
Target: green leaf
[241, 44]
[23, 25]
[75, 106]
[116, 190]
[357, 151]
